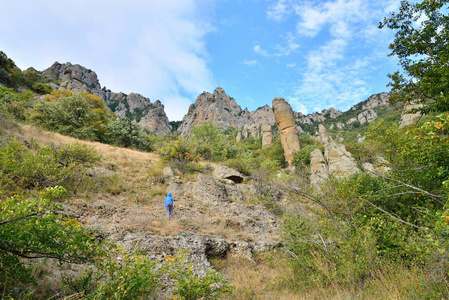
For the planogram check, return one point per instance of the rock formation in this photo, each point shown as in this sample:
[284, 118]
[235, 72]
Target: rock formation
[218, 108]
[285, 122]
[336, 160]
[74, 77]
[267, 134]
[408, 118]
[262, 115]
[221, 109]
[223, 172]
[319, 169]
[150, 116]
[316, 117]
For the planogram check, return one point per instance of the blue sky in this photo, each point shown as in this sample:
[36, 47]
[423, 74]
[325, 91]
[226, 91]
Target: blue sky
[315, 54]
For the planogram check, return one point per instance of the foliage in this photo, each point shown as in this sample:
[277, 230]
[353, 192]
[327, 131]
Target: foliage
[275, 153]
[31, 228]
[22, 168]
[190, 286]
[15, 104]
[211, 143]
[175, 125]
[132, 277]
[82, 115]
[123, 132]
[356, 225]
[421, 45]
[11, 76]
[179, 154]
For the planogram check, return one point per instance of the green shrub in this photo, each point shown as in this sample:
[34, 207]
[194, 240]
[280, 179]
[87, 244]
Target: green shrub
[23, 168]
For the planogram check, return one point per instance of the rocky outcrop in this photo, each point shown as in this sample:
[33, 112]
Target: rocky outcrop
[316, 117]
[222, 110]
[285, 122]
[262, 115]
[74, 77]
[150, 116]
[223, 172]
[340, 161]
[209, 190]
[375, 101]
[335, 160]
[319, 169]
[200, 248]
[409, 118]
[267, 134]
[155, 120]
[218, 108]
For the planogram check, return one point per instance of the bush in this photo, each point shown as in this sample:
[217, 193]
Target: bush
[22, 168]
[30, 229]
[77, 116]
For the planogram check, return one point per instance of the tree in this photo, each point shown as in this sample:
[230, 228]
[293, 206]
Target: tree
[32, 228]
[80, 115]
[421, 44]
[123, 132]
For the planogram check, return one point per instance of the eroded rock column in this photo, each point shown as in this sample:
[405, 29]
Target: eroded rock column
[267, 134]
[285, 121]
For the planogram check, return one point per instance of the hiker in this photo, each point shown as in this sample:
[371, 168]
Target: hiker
[168, 203]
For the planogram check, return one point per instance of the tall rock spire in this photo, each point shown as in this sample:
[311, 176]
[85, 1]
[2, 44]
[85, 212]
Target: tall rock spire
[285, 121]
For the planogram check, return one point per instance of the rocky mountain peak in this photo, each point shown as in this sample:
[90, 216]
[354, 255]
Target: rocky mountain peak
[74, 77]
[150, 116]
[219, 108]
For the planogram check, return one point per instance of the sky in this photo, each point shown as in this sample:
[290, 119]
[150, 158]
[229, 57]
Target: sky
[316, 54]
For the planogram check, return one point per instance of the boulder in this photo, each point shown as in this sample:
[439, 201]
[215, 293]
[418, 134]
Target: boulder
[209, 190]
[223, 172]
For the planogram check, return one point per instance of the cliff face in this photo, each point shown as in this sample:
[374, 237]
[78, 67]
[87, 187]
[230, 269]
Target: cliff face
[150, 116]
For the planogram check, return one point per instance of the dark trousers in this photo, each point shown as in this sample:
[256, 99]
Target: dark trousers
[169, 210]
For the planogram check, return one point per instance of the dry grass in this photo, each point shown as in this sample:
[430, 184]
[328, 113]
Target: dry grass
[271, 278]
[267, 279]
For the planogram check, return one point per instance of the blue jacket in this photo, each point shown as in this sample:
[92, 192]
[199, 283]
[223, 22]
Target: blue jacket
[168, 200]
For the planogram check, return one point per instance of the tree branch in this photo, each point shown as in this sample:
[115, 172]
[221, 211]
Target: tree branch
[17, 219]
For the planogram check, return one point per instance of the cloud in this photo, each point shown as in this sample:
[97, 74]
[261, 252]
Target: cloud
[279, 50]
[297, 105]
[250, 62]
[260, 51]
[278, 10]
[340, 48]
[156, 48]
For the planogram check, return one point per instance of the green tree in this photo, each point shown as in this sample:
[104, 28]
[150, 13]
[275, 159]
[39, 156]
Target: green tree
[30, 229]
[123, 132]
[77, 116]
[421, 45]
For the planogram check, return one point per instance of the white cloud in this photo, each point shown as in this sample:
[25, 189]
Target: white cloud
[297, 105]
[340, 46]
[260, 51]
[290, 65]
[250, 62]
[280, 50]
[278, 10]
[152, 47]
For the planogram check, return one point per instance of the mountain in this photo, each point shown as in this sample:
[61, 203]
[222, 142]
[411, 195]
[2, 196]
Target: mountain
[224, 111]
[150, 116]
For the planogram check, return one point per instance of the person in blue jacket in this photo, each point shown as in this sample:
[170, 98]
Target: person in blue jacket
[168, 203]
